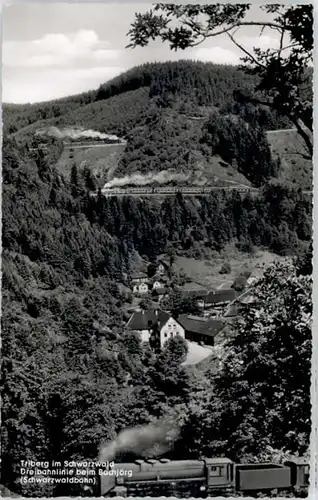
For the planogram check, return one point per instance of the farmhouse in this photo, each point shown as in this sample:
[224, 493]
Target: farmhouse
[162, 267]
[156, 324]
[140, 288]
[199, 329]
[139, 282]
[139, 277]
[157, 284]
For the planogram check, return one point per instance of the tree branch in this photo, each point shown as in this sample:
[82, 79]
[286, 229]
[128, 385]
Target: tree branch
[246, 51]
[238, 25]
[305, 136]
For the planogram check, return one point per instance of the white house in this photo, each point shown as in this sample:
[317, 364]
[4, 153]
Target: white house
[171, 329]
[155, 322]
[157, 284]
[140, 288]
[162, 267]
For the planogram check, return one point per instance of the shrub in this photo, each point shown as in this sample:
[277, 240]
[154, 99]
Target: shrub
[226, 268]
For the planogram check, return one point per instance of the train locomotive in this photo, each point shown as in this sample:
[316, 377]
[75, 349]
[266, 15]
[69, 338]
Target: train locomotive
[202, 478]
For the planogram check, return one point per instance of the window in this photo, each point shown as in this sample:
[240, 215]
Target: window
[170, 326]
[165, 334]
[215, 471]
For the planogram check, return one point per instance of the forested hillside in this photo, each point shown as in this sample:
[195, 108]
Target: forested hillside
[180, 115]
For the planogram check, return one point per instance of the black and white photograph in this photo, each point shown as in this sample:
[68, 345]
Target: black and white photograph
[157, 225]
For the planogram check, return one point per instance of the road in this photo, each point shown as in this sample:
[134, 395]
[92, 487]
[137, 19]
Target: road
[281, 130]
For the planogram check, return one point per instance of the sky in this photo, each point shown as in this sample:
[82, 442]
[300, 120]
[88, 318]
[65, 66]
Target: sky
[52, 50]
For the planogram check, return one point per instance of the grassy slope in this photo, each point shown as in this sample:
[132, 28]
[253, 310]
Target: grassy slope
[102, 160]
[289, 146]
[206, 273]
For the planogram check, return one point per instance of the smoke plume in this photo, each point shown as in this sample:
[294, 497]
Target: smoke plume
[75, 133]
[142, 441]
[163, 177]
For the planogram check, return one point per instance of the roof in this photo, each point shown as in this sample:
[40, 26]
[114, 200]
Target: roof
[221, 296]
[164, 262]
[141, 320]
[139, 274]
[218, 461]
[160, 291]
[159, 279]
[201, 326]
[249, 298]
[192, 294]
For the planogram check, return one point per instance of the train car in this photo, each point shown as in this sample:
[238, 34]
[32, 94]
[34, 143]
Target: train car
[299, 474]
[200, 478]
[260, 477]
[170, 190]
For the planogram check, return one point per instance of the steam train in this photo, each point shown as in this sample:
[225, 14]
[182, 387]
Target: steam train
[190, 190]
[202, 478]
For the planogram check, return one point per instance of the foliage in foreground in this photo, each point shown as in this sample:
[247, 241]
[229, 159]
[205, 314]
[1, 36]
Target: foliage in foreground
[261, 399]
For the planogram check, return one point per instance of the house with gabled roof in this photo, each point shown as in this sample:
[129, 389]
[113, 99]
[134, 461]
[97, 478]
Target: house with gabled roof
[139, 282]
[200, 329]
[163, 267]
[140, 288]
[160, 293]
[139, 277]
[155, 325]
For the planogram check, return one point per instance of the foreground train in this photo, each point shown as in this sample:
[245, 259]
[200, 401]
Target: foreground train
[200, 478]
[191, 190]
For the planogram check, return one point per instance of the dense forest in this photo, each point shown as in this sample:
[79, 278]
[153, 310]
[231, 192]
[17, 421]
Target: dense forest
[73, 375]
[204, 84]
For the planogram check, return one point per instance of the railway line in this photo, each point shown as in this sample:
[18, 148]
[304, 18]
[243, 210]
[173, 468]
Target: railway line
[166, 191]
[173, 190]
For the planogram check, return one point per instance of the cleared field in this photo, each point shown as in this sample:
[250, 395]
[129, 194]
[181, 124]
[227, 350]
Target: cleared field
[215, 171]
[101, 160]
[289, 146]
[206, 273]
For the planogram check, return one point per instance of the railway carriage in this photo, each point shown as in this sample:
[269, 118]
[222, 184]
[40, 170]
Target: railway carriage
[168, 190]
[200, 478]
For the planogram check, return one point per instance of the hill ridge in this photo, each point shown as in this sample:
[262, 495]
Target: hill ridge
[153, 107]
